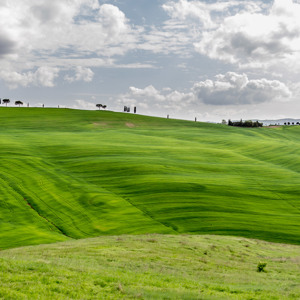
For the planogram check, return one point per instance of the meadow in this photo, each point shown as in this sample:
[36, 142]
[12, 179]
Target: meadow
[151, 267]
[69, 174]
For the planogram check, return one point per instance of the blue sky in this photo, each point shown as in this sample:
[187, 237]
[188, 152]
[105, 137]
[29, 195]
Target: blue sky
[212, 60]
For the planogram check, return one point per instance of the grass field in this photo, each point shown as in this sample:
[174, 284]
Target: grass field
[70, 174]
[151, 267]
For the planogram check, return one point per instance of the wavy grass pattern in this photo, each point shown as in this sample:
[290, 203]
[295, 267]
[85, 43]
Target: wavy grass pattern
[69, 174]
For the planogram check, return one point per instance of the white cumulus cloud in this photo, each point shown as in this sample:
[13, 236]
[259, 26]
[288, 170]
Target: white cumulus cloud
[232, 88]
[39, 35]
[184, 10]
[227, 89]
[83, 104]
[270, 38]
[43, 76]
[261, 35]
[81, 74]
[153, 99]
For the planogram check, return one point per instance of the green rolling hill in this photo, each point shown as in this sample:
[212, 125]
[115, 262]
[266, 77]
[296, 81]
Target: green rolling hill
[70, 174]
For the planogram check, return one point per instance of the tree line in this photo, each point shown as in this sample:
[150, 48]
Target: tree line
[289, 123]
[248, 123]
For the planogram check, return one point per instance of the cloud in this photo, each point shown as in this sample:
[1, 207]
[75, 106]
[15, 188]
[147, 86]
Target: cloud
[256, 39]
[233, 89]
[83, 104]
[206, 13]
[7, 46]
[260, 35]
[184, 10]
[41, 39]
[151, 99]
[81, 74]
[43, 76]
[226, 90]
[113, 21]
[37, 34]
[149, 93]
[169, 38]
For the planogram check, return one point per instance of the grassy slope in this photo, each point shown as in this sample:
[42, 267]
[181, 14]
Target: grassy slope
[74, 174]
[151, 267]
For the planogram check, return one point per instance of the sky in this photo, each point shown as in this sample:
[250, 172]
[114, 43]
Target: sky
[210, 59]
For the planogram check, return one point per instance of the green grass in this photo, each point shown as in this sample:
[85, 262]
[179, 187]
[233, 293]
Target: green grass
[151, 267]
[70, 174]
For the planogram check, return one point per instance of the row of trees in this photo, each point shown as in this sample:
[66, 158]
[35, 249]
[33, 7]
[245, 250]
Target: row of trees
[6, 101]
[293, 123]
[248, 123]
[18, 102]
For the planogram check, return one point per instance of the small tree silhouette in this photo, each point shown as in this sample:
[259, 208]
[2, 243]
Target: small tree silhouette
[103, 106]
[99, 106]
[6, 101]
[18, 103]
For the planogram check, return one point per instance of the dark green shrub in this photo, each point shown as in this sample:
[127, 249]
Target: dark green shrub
[261, 267]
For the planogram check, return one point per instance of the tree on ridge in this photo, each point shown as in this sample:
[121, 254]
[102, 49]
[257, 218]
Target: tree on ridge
[6, 101]
[18, 103]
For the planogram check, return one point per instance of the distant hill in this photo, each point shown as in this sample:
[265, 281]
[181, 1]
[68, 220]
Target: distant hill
[70, 174]
[279, 121]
